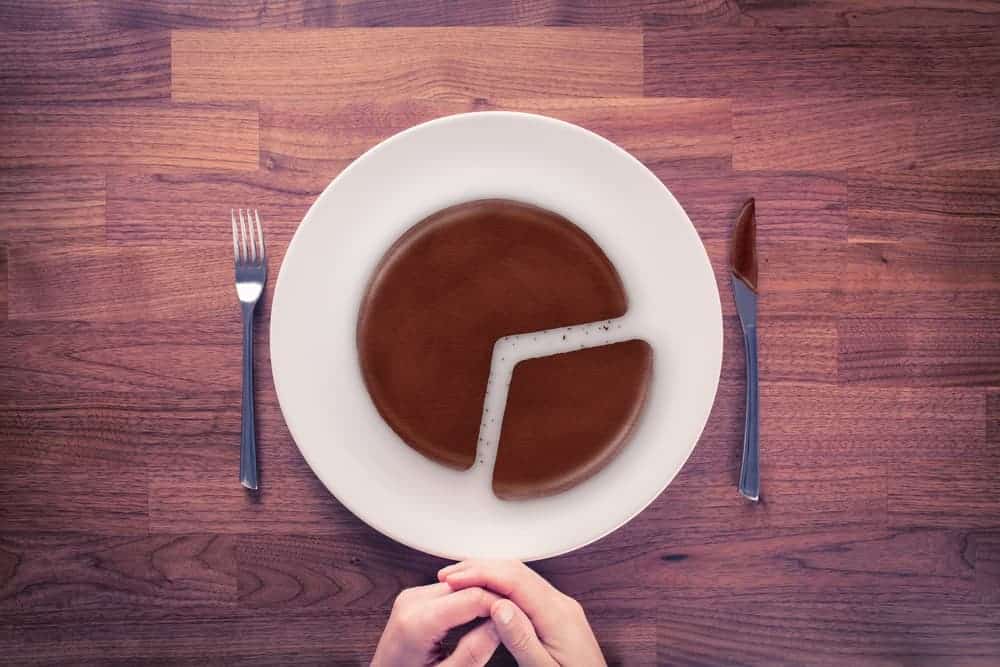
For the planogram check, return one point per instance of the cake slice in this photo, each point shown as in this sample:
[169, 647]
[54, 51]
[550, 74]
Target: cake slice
[567, 416]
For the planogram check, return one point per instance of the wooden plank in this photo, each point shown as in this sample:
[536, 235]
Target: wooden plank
[320, 137]
[141, 208]
[52, 206]
[355, 567]
[66, 360]
[736, 61]
[984, 548]
[922, 267]
[250, 14]
[946, 207]
[102, 283]
[863, 630]
[3, 282]
[173, 14]
[959, 132]
[119, 65]
[901, 565]
[474, 13]
[191, 637]
[823, 133]
[663, 129]
[84, 395]
[952, 492]
[94, 573]
[691, 12]
[869, 424]
[921, 279]
[404, 63]
[993, 415]
[917, 351]
[151, 137]
[942, 470]
[27, 16]
[798, 349]
[109, 498]
[870, 13]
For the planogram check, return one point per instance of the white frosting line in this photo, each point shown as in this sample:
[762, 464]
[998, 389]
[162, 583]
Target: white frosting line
[510, 350]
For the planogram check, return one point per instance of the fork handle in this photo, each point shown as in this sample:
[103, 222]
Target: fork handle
[248, 436]
[750, 469]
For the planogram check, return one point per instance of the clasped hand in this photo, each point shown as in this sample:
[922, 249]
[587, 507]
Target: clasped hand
[540, 626]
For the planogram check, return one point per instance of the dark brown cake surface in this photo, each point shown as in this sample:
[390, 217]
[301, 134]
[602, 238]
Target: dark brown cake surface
[448, 289]
[567, 415]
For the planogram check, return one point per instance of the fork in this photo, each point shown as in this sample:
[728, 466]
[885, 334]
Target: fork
[251, 274]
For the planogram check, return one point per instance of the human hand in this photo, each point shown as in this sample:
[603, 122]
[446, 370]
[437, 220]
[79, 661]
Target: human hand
[540, 626]
[422, 616]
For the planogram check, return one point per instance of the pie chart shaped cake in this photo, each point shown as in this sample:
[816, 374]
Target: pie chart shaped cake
[452, 298]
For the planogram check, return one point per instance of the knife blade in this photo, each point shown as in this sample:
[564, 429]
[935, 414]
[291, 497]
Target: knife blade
[743, 261]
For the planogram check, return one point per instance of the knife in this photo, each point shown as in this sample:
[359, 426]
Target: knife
[743, 258]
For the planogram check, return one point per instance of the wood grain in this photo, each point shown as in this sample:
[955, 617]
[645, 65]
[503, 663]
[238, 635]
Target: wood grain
[820, 134]
[917, 351]
[320, 137]
[106, 498]
[162, 572]
[3, 282]
[774, 62]
[921, 279]
[141, 207]
[103, 283]
[119, 65]
[150, 137]
[476, 12]
[870, 13]
[250, 14]
[44, 205]
[958, 133]
[945, 207]
[405, 63]
[866, 131]
[956, 493]
[869, 631]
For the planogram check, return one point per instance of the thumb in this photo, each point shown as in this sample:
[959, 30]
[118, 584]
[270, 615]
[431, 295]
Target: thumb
[518, 635]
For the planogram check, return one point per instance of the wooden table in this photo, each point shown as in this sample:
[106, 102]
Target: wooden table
[868, 131]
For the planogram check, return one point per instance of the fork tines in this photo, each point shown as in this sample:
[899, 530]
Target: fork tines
[254, 253]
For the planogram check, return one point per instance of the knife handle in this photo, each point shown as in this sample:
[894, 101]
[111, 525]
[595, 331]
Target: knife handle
[750, 470]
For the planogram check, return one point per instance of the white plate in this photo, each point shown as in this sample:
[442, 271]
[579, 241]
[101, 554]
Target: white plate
[673, 304]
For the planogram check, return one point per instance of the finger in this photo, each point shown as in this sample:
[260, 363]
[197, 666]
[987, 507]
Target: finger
[419, 594]
[474, 649]
[511, 579]
[445, 571]
[449, 611]
[429, 592]
[518, 635]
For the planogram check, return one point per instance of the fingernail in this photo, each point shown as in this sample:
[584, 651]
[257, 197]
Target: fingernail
[505, 612]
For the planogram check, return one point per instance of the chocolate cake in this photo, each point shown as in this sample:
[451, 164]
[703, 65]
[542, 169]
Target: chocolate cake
[567, 415]
[454, 284]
